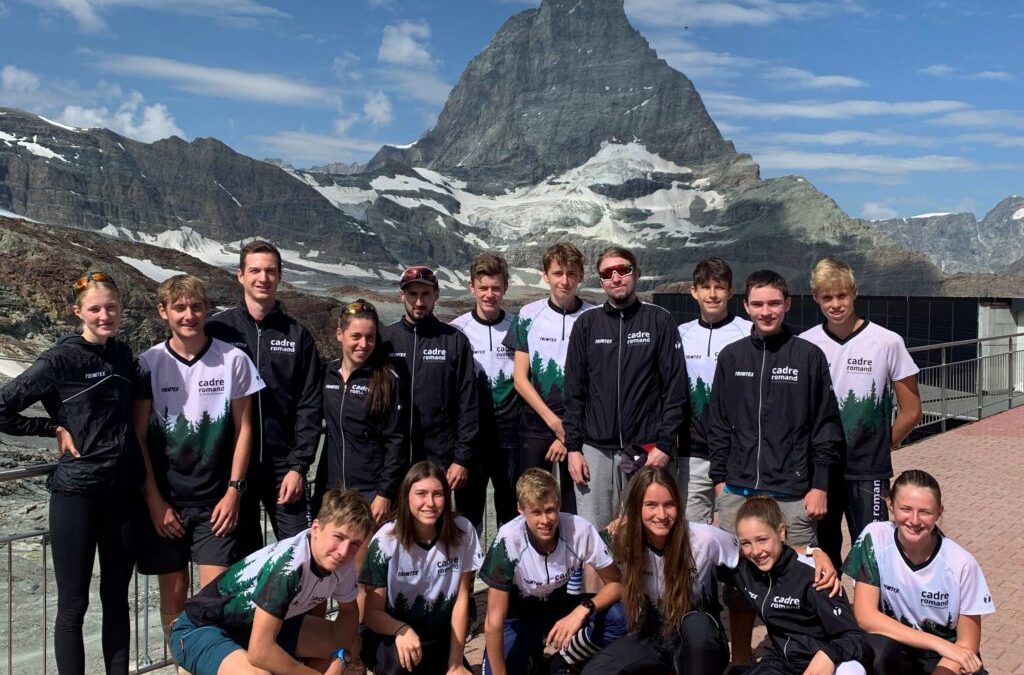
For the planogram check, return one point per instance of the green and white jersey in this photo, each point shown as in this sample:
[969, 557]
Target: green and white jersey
[280, 579]
[928, 597]
[542, 329]
[494, 360]
[515, 564]
[711, 547]
[422, 582]
[863, 368]
[191, 437]
[702, 342]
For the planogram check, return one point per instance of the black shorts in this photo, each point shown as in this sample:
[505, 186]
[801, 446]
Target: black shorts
[163, 555]
[532, 450]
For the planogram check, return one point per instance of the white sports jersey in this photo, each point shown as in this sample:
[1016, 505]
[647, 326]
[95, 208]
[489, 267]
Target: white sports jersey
[542, 330]
[191, 432]
[422, 582]
[492, 357]
[701, 344]
[278, 579]
[863, 368]
[711, 547]
[929, 597]
[515, 565]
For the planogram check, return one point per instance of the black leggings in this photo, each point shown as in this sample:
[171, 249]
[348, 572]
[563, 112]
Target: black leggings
[699, 648]
[79, 525]
[894, 658]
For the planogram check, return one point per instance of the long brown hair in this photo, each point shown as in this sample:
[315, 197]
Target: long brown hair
[383, 379]
[630, 545]
[448, 533]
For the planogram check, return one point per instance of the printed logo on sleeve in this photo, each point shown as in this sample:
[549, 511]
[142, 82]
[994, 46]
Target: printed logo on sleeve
[93, 376]
[602, 341]
[744, 373]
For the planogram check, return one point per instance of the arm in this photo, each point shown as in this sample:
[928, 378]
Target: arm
[225, 513]
[308, 407]
[908, 398]
[563, 630]
[494, 629]
[265, 653]
[826, 577]
[20, 393]
[671, 366]
[468, 405]
[460, 625]
[719, 430]
[346, 627]
[165, 519]
[968, 636]
[529, 394]
[845, 640]
[376, 618]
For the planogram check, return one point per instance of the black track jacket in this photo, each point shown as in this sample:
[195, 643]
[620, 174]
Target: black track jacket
[625, 379]
[800, 620]
[363, 452]
[287, 414]
[87, 389]
[435, 361]
[775, 422]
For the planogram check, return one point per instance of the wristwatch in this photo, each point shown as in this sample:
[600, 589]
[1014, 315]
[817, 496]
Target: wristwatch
[238, 485]
[588, 605]
[343, 655]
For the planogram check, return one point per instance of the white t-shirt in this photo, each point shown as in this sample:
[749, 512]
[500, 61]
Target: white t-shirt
[863, 368]
[929, 597]
[514, 563]
[191, 431]
[710, 547]
[422, 582]
[493, 359]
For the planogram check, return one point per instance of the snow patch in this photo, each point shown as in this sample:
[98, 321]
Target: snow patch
[150, 269]
[1018, 214]
[32, 146]
[11, 214]
[12, 368]
[930, 215]
[237, 203]
[414, 203]
[58, 124]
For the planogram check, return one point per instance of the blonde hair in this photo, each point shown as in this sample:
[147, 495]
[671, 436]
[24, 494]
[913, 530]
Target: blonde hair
[346, 507]
[181, 286]
[832, 274]
[535, 487]
[97, 280]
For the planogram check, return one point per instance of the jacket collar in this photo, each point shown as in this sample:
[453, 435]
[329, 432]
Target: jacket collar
[782, 566]
[427, 325]
[717, 324]
[771, 342]
[627, 311]
[273, 314]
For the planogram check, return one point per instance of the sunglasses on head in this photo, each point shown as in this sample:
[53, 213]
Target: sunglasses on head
[360, 307]
[88, 277]
[419, 273]
[622, 270]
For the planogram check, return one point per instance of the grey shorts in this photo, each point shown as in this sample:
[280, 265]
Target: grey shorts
[598, 501]
[692, 475]
[801, 530]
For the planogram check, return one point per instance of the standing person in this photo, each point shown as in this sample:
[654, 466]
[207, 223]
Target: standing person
[809, 631]
[85, 384]
[435, 360]
[366, 445]
[869, 366]
[418, 575]
[286, 414]
[193, 419]
[774, 427]
[918, 594]
[539, 336]
[703, 339]
[487, 326]
[533, 600]
[625, 389]
[257, 617]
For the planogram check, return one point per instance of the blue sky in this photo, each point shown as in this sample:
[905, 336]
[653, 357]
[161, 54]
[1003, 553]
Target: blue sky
[892, 108]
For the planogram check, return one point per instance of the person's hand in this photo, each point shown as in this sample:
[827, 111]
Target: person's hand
[816, 503]
[407, 643]
[459, 669]
[336, 667]
[292, 487]
[964, 659]
[380, 507]
[166, 521]
[556, 452]
[563, 630]
[65, 444]
[825, 574]
[225, 514]
[457, 476]
[578, 469]
[658, 458]
[821, 664]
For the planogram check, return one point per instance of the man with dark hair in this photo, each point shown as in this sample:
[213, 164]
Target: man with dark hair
[625, 389]
[703, 339]
[435, 359]
[497, 441]
[774, 427]
[286, 415]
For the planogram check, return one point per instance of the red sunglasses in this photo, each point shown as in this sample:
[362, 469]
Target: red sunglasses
[419, 273]
[623, 270]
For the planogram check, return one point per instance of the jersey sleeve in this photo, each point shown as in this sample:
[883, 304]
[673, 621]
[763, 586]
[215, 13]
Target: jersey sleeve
[247, 379]
[862, 565]
[595, 551]
[975, 598]
[471, 549]
[143, 384]
[277, 584]
[517, 337]
[376, 564]
[499, 567]
[346, 590]
[725, 549]
[901, 363]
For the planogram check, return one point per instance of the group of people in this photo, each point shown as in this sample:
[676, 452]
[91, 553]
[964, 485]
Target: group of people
[612, 439]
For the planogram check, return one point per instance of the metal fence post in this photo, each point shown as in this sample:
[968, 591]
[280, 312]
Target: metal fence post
[1011, 383]
[942, 380]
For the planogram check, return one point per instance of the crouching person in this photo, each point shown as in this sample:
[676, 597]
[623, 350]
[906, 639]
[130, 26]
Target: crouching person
[535, 571]
[253, 618]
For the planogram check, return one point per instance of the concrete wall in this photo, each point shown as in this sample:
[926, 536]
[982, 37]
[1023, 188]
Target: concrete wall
[1001, 318]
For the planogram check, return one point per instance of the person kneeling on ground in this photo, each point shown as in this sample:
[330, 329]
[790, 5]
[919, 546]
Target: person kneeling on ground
[534, 569]
[254, 618]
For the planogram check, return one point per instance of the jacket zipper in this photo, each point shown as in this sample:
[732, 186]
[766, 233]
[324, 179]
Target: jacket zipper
[710, 331]
[259, 394]
[341, 424]
[563, 326]
[412, 386]
[760, 403]
[618, 378]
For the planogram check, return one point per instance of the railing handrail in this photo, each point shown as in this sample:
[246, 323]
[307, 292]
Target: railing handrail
[31, 471]
[964, 343]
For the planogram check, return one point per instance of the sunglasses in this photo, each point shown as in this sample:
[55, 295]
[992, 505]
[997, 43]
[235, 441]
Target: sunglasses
[419, 273]
[85, 279]
[360, 307]
[622, 270]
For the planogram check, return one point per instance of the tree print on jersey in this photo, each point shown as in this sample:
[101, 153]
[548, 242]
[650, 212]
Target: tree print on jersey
[502, 389]
[520, 330]
[700, 396]
[424, 615]
[547, 378]
[865, 416]
[946, 631]
[862, 564]
[375, 566]
[499, 568]
[190, 444]
[273, 579]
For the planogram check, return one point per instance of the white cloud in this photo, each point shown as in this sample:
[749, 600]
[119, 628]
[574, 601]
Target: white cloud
[346, 66]
[730, 12]
[377, 109]
[418, 85]
[877, 211]
[405, 44]
[18, 81]
[146, 123]
[726, 129]
[852, 137]
[88, 14]
[784, 159]
[983, 118]
[694, 62]
[938, 70]
[4, 9]
[304, 148]
[996, 139]
[383, 4]
[221, 82]
[992, 75]
[798, 77]
[740, 106]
